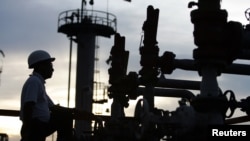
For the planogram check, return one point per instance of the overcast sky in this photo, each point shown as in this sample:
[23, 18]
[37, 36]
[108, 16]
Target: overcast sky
[28, 25]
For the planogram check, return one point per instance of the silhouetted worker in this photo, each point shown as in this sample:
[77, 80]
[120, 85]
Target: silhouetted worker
[39, 115]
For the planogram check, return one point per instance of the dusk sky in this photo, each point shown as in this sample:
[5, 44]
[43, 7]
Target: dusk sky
[28, 25]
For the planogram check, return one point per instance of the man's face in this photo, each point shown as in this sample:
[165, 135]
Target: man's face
[47, 69]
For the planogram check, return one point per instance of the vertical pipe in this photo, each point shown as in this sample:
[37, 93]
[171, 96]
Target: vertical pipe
[149, 54]
[210, 88]
[83, 3]
[84, 78]
[149, 96]
[69, 79]
[209, 30]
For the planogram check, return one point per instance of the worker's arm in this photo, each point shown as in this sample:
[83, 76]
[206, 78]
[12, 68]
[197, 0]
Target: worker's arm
[76, 114]
[27, 111]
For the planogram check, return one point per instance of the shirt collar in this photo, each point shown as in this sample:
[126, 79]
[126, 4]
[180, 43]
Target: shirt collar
[39, 76]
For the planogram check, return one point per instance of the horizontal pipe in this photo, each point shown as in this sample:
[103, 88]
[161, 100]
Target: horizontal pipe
[14, 113]
[180, 84]
[237, 120]
[178, 93]
[187, 64]
[244, 54]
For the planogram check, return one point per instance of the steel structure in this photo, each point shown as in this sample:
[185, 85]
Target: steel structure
[83, 26]
[219, 43]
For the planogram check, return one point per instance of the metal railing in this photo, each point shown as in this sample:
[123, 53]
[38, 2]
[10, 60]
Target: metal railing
[78, 16]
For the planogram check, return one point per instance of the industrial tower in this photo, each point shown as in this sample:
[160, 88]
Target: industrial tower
[83, 26]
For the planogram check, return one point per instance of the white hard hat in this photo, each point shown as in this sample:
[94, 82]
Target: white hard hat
[38, 56]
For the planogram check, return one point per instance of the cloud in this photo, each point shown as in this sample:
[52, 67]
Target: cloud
[27, 25]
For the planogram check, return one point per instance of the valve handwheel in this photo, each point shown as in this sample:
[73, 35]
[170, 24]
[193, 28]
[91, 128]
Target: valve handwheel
[142, 115]
[247, 14]
[232, 102]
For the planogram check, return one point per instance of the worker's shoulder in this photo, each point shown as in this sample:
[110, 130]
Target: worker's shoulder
[34, 79]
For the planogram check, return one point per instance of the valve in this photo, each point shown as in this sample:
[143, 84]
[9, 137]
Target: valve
[166, 62]
[192, 3]
[202, 104]
[132, 84]
[117, 72]
[245, 105]
[205, 4]
[149, 52]
[143, 116]
[91, 2]
[218, 40]
[232, 103]
[222, 103]
[246, 37]
[247, 14]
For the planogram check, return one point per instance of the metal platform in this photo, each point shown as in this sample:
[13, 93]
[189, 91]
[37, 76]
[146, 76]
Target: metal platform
[73, 22]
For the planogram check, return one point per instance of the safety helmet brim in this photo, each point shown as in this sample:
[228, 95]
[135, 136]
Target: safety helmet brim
[39, 56]
[47, 60]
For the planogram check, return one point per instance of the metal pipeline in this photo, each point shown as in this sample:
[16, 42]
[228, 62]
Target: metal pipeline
[163, 92]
